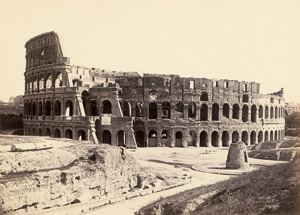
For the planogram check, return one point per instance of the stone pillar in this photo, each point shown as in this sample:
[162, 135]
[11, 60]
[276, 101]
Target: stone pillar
[185, 111]
[230, 112]
[209, 138]
[172, 137]
[198, 112]
[240, 137]
[209, 113]
[184, 139]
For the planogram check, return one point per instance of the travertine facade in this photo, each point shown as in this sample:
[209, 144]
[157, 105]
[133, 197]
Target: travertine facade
[125, 108]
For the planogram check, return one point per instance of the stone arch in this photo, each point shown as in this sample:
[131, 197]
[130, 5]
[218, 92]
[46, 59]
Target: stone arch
[138, 109]
[235, 137]
[179, 110]
[58, 80]
[245, 113]
[165, 138]
[152, 110]
[215, 139]
[192, 110]
[236, 111]
[203, 139]
[192, 138]
[41, 82]
[204, 96]
[48, 108]
[271, 136]
[166, 110]
[266, 136]
[40, 108]
[139, 136]
[152, 138]
[49, 82]
[266, 112]
[69, 108]
[245, 137]
[226, 110]
[121, 138]
[272, 113]
[275, 135]
[106, 107]
[260, 136]
[47, 132]
[28, 131]
[35, 83]
[69, 134]
[252, 137]
[204, 112]
[33, 109]
[126, 109]
[225, 138]
[276, 112]
[33, 133]
[253, 113]
[81, 135]
[106, 137]
[57, 108]
[40, 132]
[56, 133]
[215, 112]
[261, 111]
[178, 139]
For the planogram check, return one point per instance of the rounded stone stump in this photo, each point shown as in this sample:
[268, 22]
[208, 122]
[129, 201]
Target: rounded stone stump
[237, 157]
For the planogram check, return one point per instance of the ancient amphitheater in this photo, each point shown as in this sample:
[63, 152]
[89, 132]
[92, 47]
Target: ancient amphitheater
[127, 109]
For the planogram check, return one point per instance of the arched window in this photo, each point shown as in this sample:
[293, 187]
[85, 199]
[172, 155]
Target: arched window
[41, 82]
[245, 137]
[203, 139]
[204, 96]
[139, 136]
[204, 112]
[152, 110]
[226, 111]
[107, 109]
[272, 113]
[215, 112]
[261, 111]
[126, 109]
[178, 137]
[57, 108]
[215, 139]
[49, 82]
[94, 108]
[166, 110]
[121, 138]
[69, 134]
[253, 113]
[192, 110]
[152, 138]
[40, 109]
[235, 137]
[69, 108]
[47, 108]
[106, 136]
[33, 109]
[58, 81]
[225, 138]
[266, 112]
[260, 136]
[235, 111]
[56, 133]
[179, 110]
[81, 135]
[245, 113]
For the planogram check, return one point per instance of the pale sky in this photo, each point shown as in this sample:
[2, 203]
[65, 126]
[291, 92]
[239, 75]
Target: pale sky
[245, 40]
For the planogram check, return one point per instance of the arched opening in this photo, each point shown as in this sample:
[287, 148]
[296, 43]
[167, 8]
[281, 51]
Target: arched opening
[106, 137]
[69, 108]
[58, 81]
[253, 137]
[225, 138]
[33, 131]
[56, 133]
[121, 138]
[266, 136]
[41, 83]
[260, 136]
[245, 137]
[192, 139]
[94, 109]
[152, 110]
[98, 130]
[215, 139]
[30, 108]
[192, 110]
[126, 109]
[271, 136]
[57, 108]
[245, 113]
[40, 132]
[226, 111]
[215, 112]
[81, 135]
[204, 112]
[178, 137]
[33, 109]
[179, 110]
[165, 138]
[152, 138]
[275, 136]
[69, 134]
[235, 111]
[203, 139]
[261, 111]
[139, 136]
[106, 107]
[253, 113]
[245, 98]
[276, 112]
[47, 132]
[166, 110]
[272, 113]
[279, 135]
[138, 109]
[49, 82]
[47, 108]
[35, 84]
[40, 109]
[266, 112]
[235, 137]
[28, 131]
[85, 96]
[204, 96]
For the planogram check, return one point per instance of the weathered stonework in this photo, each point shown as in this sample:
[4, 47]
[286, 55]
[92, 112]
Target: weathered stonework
[126, 109]
[237, 157]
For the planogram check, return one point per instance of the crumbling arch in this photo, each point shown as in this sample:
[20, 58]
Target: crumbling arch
[121, 138]
[203, 139]
[81, 135]
[40, 132]
[57, 108]
[204, 112]
[245, 137]
[204, 96]
[260, 136]
[69, 134]
[106, 107]
[266, 112]
[126, 109]
[69, 108]
[56, 133]
[252, 138]
[139, 136]
[166, 110]
[48, 108]
[253, 113]
[245, 113]
[178, 139]
[192, 110]
[235, 137]
[215, 139]
[215, 112]
[266, 136]
[226, 111]
[236, 111]
[192, 139]
[152, 138]
[47, 132]
[106, 137]
[261, 111]
[225, 139]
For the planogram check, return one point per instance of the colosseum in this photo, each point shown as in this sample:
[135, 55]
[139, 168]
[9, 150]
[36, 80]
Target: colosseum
[126, 109]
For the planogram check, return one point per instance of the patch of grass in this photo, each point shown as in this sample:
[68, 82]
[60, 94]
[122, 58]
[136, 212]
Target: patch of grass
[267, 145]
[270, 190]
[289, 143]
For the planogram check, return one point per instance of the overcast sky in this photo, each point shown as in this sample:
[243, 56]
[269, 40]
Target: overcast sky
[255, 40]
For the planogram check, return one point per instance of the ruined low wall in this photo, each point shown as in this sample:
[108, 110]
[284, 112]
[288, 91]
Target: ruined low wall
[34, 180]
